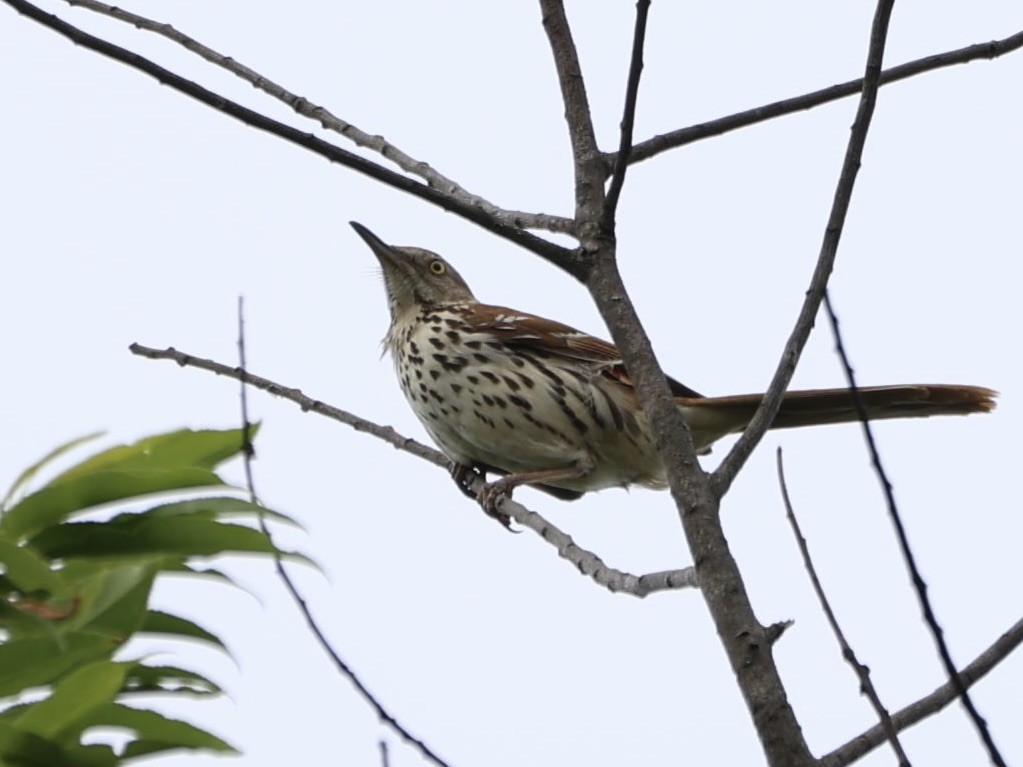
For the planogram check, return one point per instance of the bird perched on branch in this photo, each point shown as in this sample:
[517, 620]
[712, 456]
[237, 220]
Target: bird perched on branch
[546, 405]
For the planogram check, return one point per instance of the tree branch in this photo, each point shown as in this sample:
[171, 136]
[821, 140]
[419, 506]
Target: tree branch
[677, 138]
[740, 452]
[746, 642]
[325, 118]
[628, 120]
[557, 255]
[586, 562]
[915, 712]
[861, 671]
[289, 585]
[587, 159]
[919, 585]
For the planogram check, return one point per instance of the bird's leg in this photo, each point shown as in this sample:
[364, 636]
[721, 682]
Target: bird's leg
[464, 474]
[494, 492]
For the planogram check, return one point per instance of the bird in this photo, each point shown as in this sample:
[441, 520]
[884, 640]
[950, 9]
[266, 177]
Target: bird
[542, 404]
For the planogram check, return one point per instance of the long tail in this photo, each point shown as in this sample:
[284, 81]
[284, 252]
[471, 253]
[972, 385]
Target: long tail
[713, 417]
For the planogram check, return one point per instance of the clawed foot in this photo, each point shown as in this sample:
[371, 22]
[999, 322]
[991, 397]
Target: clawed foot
[489, 496]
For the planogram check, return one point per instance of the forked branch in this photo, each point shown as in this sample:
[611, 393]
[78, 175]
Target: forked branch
[745, 640]
[678, 138]
[434, 178]
[768, 409]
[562, 257]
[614, 190]
[916, 712]
[587, 160]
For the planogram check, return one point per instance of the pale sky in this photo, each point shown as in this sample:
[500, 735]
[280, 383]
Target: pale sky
[131, 213]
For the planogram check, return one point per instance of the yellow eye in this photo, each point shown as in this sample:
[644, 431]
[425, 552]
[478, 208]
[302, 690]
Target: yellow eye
[437, 267]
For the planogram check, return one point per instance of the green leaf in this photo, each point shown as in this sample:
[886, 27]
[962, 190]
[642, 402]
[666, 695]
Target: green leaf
[13, 711]
[26, 476]
[157, 622]
[19, 623]
[71, 706]
[25, 749]
[92, 755]
[180, 449]
[158, 733]
[215, 507]
[35, 661]
[27, 570]
[29, 616]
[54, 503]
[210, 574]
[109, 598]
[113, 596]
[168, 679]
[138, 534]
[61, 622]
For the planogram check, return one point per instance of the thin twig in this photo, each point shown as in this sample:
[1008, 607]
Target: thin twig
[564, 258]
[862, 672]
[331, 122]
[858, 747]
[628, 119]
[247, 454]
[740, 452]
[677, 138]
[590, 565]
[586, 562]
[919, 585]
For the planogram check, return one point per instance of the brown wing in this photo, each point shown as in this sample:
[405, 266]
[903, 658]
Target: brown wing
[519, 329]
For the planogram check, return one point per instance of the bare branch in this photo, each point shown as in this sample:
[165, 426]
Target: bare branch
[916, 712]
[585, 561]
[385, 433]
[587, 159]
[740, 452]
[628, 119]
[862, 672]
[919, 585]
[677, 138]
[561, 257]
[747, 642]
[305, 108]
[346, 671]
[591, 565]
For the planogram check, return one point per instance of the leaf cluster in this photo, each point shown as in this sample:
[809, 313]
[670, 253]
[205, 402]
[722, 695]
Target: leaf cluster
[78, 561]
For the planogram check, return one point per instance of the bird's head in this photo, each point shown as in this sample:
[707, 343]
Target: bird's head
[414, 277]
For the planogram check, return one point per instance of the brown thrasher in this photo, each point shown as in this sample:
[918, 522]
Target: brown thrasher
[546, 405]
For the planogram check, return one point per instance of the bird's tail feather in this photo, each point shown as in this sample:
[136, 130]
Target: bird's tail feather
[724, 415]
